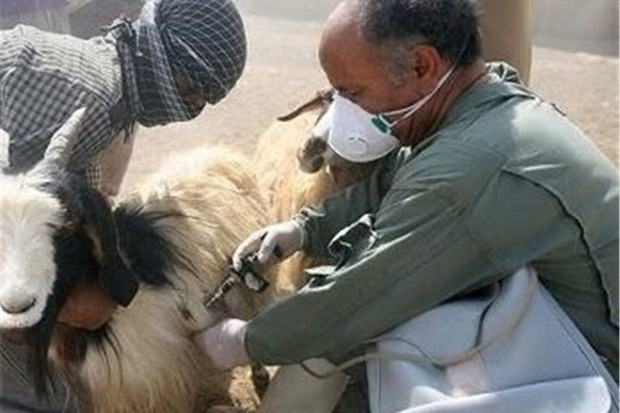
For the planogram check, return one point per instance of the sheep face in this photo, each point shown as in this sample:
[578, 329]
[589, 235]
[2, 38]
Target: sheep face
[46, 213]
[55, 231]
[314, 153]
[44, 252]
[28, 218]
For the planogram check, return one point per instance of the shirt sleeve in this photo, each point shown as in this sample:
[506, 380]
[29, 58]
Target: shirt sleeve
[36, 100]
[416, 254]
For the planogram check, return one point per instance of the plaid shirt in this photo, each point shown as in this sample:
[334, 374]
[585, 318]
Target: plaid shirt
[44, 78]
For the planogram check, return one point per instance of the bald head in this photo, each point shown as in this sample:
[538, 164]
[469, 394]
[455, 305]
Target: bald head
[346, 57]
[340, 30]
[345, 13]
[345, 47]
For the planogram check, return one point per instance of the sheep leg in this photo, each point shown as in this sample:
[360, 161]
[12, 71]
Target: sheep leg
[260, 379]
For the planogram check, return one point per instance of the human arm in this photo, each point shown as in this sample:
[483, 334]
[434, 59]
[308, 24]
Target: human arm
[412, 258]
[314, 226]
[321, 222]
[41, 88]
[424, 247]
[448, 229]
[320, 318]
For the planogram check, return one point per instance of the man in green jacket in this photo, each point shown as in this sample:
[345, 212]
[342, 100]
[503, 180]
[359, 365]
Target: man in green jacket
[479, 177]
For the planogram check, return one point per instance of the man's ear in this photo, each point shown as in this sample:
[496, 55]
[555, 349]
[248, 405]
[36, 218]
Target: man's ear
[428, 64]
[116, 275]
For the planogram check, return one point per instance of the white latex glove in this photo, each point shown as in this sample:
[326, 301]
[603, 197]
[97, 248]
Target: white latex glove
[287, 236]
[224, 343]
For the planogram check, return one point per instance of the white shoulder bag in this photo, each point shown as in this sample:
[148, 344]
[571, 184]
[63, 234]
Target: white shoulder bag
[514, 351]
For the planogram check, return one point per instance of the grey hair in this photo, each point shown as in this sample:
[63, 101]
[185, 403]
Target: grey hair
[396, 26]
[400, 58]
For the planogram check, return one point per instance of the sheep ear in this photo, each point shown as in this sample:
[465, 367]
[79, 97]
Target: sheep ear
[116, 275]
[322, 99]
[61, 144]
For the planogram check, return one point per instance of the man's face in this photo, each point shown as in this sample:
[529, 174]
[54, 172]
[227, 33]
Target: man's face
[190, 93]
[360, 72]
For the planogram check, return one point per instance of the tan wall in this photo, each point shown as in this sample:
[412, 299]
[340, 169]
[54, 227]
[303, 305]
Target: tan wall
[584, 25]
[592, 19]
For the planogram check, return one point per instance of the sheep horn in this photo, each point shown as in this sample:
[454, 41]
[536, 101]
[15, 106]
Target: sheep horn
[61, 145]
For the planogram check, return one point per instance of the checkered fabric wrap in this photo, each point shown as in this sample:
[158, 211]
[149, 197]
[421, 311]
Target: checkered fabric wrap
[44, 78]
[204, 40]
[123, 77]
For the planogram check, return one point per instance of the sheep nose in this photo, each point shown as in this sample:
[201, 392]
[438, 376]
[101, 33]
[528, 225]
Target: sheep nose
[17, 303]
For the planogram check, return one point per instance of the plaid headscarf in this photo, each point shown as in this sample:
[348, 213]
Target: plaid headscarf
[202, 40]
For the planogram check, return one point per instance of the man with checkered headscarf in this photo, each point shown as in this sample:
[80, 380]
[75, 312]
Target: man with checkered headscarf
[165, 67]
[162, 68]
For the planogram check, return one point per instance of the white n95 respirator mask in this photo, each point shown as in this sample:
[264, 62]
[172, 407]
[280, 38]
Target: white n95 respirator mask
[360, 136]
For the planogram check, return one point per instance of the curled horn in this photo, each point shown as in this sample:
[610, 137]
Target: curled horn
[61, 144]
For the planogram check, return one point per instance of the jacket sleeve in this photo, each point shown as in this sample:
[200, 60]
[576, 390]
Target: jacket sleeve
[416, 253]
[321, 222]
[454, 218]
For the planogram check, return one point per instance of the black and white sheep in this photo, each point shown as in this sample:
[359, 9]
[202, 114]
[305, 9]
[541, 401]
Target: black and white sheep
[158, 253]
[172, 238]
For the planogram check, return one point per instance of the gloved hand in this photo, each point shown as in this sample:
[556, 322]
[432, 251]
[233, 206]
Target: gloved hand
[287, 237]
[224, 343]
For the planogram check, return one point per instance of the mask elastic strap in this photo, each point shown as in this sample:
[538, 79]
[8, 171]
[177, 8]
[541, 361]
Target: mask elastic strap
[417, 105]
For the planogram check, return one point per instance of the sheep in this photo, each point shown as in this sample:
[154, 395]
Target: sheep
[158, 253]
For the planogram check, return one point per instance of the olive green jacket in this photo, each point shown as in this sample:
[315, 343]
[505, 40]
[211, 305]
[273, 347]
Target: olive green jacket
[507, 180]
